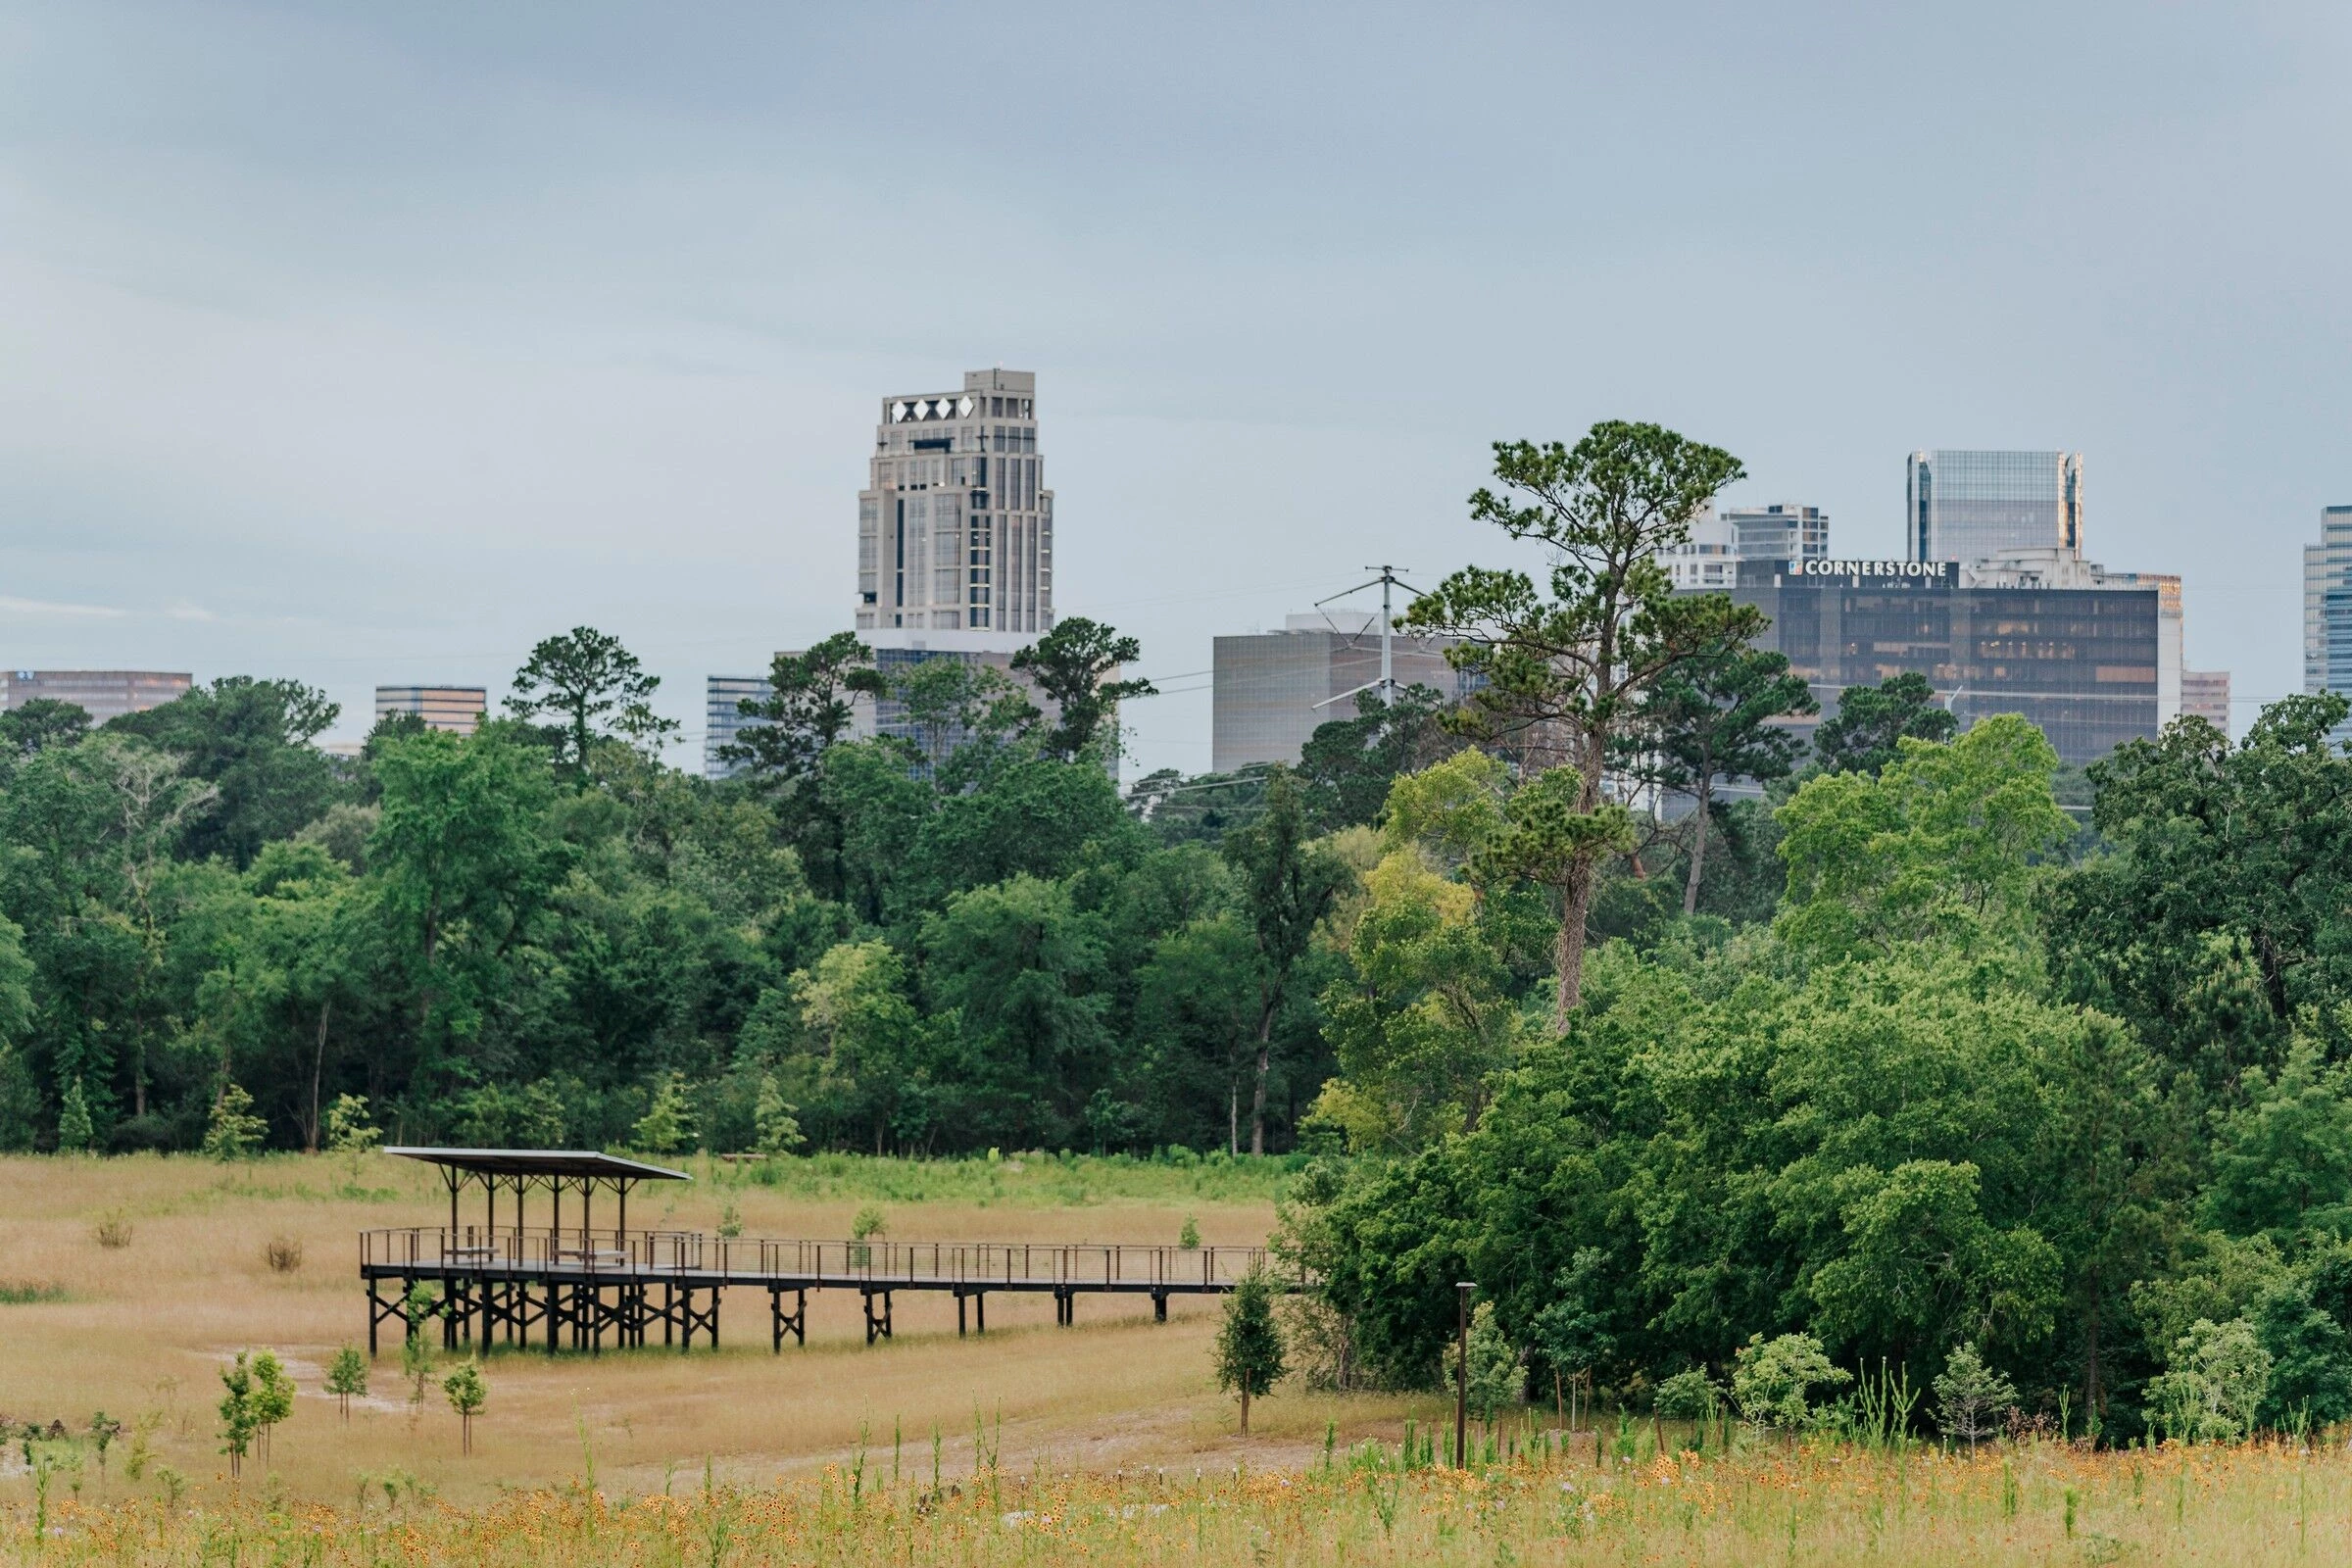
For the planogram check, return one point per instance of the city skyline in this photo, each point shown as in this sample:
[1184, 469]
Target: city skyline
[372, 347]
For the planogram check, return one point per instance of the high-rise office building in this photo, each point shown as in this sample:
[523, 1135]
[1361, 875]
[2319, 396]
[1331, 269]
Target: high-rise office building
[1972, 506]
[2082, 652]
[1721, 540]
[455, 708]
[103, 694]
[955, 524]
[2327, 609]
[723, 697]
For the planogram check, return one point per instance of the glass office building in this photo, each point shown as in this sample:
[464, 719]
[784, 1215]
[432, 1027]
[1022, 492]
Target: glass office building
[1974, 506]
[2081, 662]
[2327, 609]
[723, 697]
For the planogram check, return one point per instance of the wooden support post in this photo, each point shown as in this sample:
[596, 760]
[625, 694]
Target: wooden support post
[797, 1321]
[959, 1311]
[979, 1311]
[1159, 1306]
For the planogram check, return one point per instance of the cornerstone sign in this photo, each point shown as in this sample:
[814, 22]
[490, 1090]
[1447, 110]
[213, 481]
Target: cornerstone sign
[1944, 573]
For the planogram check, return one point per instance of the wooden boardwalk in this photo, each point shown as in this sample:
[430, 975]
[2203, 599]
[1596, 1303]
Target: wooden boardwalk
[575, 1286]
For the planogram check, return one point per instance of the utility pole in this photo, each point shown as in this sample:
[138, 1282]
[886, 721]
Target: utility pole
[1387, 582]
[1461, 1372]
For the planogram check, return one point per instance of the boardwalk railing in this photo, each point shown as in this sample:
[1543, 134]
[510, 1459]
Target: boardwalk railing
[652, 1255]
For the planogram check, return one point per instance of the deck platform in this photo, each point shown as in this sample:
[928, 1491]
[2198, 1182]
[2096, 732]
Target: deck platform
[574, 1288]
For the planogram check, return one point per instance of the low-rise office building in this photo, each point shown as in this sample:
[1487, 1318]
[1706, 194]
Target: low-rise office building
[103, 694]
[2205, 695]
[458, 709]
[1270, 690]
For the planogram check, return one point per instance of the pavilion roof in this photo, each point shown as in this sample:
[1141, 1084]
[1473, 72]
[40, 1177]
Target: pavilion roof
[583, 1164]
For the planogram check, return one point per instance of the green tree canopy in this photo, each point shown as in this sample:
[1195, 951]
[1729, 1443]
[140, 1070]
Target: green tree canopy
[1072, 666]
[1872, 722]
[592, 689]
[1560, 676]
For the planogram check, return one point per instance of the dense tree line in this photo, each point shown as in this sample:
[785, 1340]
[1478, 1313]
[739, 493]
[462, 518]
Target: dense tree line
[955, 938]
[1980, 1094]
[1915, 1050]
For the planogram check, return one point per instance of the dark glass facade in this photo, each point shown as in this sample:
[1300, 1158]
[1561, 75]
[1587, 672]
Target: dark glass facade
[2080, 662]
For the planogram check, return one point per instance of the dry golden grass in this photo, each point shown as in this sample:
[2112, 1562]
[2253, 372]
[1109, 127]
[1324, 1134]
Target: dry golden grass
[143, 1328]
[1815, 1506]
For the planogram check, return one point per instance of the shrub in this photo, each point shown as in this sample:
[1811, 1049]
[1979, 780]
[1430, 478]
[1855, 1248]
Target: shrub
[1773, 1379]
[29, 1293]
[775, 1120]
[234, 1132]
[467, 1393]
[1691, 1395]
[1494, 1366]
[668, 1124]
[283, 1253]
[2215, 1382]
[1970, 1395]
[74, 1134]
[113, 1230]
[347, 1375]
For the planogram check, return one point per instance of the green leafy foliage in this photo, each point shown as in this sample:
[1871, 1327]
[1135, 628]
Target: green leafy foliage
[595, 691]
[1774, 1380]
[240, 1419]
[73, 1132]
[1563, 673]
[1970, 1395]
[1072, 666]
[232, 1132]
[347, 1377]
[1493, 1374]
[667, 1125]
[1689, 1394]
[1715, 717]
[2219, 1375]
[1872, 722]
[1250, 1351]
[467, 1393]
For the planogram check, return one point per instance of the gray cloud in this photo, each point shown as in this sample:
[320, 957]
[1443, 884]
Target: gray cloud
[397, 338]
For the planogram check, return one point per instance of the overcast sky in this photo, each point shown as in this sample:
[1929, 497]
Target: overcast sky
[369, 343]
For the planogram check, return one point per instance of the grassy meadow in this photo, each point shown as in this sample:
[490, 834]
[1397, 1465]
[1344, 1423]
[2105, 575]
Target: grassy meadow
[1034, 1445]
[140, 1330]
[1532, 1502]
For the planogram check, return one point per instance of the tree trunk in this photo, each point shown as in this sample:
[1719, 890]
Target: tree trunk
[309, 1133]
[1232, 1114]
[1257, 1097]
[1559, 1400]
[1698, 848]
[1568, 952]
[1244, 1409]
[2091, 1359]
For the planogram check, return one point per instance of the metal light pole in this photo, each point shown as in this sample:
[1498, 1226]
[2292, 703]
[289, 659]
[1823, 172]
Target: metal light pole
[1461, 1372]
